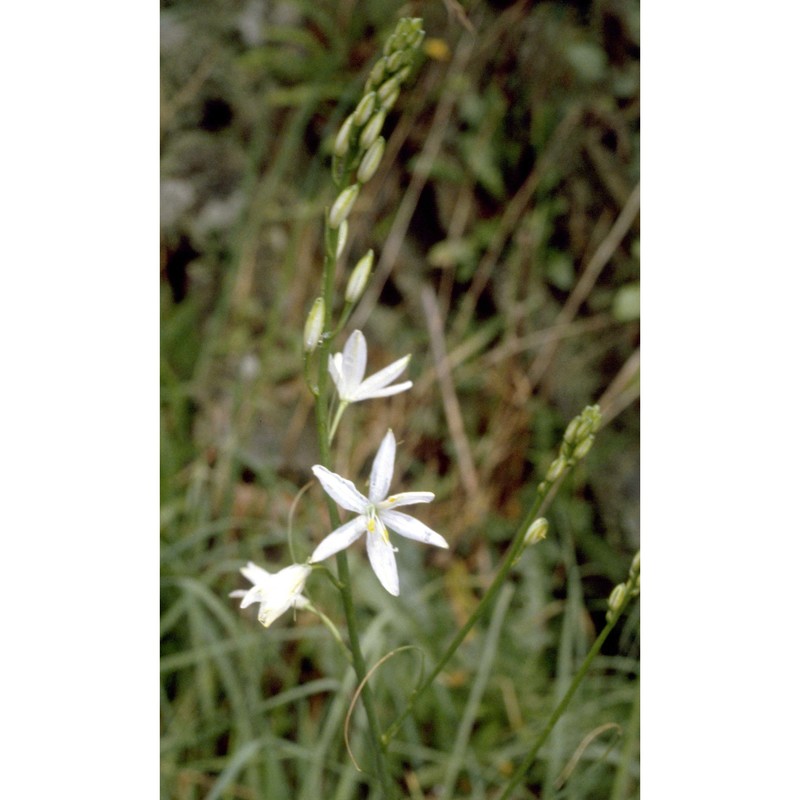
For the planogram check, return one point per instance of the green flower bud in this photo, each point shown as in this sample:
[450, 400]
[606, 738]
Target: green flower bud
[342, 142]
[570, 435]
[556, 470]
[364, 109]
[536, 532]
[589, 422]
[358, 279]
[388, 103]
[398, 60]
[341, 239]
[343, 205]
[583, 448]
[391, 44]
[377, 73]
[372, 129]
[419, 36]
[388, 88]
[372, 159]
[314, 324]
[616, 598]
[635, 564]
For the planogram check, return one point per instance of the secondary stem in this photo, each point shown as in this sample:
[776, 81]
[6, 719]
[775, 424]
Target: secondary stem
[511, 557]
[523, 768]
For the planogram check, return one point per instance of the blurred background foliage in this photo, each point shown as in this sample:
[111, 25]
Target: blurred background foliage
[504, 217]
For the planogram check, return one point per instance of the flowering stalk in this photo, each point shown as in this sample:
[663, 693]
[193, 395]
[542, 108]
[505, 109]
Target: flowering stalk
[573, 446]
[357, 146]
[618, 602]
[343, 570]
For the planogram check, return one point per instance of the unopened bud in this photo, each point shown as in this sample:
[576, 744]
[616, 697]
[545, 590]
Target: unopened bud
[358, 279]
[536, 532]
[635, 565]
[589, 422]
[616, 598]
[364, 109]
[342, 206]
[372, 159]
[388, 103]
[372, 129]
[397, 60]
[391, 44]
[583, 448]
[341, 239]
[314, 325]
[342, 142]
[377, 73]
[388, 88]
[556, 470]
[570, 434]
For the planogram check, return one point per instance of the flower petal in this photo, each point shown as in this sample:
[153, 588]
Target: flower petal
[411, 528]
[269, 611]
[382, 468]
[253, 595]
[256, 574]
[341, 490]
[335, 371]
[381, 379]
[342, 537]
[405, 499]
[387, 392]
[381, 557]
[354, 361]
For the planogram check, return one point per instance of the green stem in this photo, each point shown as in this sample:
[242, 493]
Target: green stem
[320, 408]
[523, 768]
[511, 557]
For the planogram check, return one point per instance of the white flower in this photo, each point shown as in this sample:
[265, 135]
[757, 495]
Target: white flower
[275, 592]
[375, 514]
[348, 367]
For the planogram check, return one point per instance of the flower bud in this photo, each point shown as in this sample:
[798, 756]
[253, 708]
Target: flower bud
[341, 240]
[556, 470]
[536, 532]
[635, 564]
[377, 73]
[388, 103]
[583, 448]
[358, 279]
[364, 109]
[342, 143]
[570, 435]
[372, 129]
[397, 60]
[388, 88]
[372, 159]
[343, 205]
[589, 422]
[314, 324]
[391, 44]
[616, 598]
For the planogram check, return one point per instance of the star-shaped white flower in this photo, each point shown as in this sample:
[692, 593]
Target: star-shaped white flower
[276, 592]
[348, 367]
[376, 513]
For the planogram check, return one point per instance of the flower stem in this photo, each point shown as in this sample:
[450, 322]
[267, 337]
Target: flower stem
[512, 555]
[613, 618]
[323, 437]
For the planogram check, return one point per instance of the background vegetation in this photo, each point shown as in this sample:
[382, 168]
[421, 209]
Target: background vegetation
[505, 222]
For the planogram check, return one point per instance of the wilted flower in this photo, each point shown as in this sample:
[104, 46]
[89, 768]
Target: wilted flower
[376, 514]
[276, 592]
